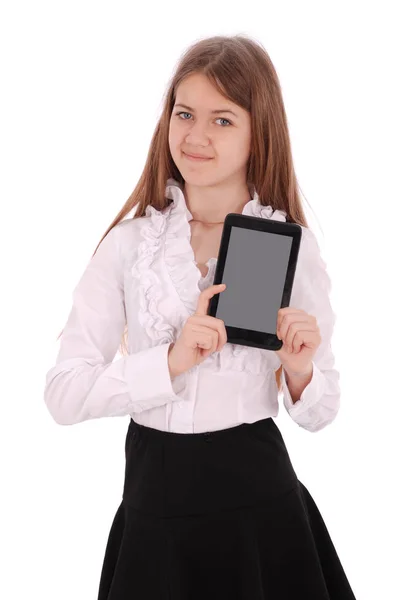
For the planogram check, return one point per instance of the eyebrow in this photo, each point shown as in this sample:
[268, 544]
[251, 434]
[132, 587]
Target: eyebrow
[213, 112]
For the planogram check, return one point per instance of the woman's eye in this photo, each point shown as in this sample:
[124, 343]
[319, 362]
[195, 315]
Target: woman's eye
[187, 113]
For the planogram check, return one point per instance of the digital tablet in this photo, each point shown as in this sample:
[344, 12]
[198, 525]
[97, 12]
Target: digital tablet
[257, 261]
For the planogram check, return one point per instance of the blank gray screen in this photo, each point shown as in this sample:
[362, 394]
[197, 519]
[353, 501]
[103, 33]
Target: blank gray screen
[254, 273]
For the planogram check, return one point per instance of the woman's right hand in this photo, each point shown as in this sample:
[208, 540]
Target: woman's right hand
[201, 336]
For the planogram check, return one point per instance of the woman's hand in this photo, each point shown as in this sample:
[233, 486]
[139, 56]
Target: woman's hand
[201, 336]
[301, 338]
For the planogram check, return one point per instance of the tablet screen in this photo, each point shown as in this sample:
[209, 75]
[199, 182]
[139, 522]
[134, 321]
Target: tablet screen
[254, 273]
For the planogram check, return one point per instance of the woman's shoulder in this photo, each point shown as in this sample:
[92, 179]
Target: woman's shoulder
[311, 261]
[132, 223]
[310, 244]
[130, 235]
[128, 230]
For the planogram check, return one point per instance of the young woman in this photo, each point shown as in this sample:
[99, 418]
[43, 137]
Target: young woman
[211, 505]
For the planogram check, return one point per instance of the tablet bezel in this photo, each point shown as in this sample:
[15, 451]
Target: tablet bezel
[249, 337]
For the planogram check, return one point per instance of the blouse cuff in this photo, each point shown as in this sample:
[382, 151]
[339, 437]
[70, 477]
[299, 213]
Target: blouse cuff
[148, 378]
[309, 397]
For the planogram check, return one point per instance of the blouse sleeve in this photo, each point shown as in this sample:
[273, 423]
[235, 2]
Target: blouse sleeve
[320, 401]
[85, 383]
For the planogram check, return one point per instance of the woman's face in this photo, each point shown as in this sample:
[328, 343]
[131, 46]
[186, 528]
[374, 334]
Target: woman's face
[224, 137]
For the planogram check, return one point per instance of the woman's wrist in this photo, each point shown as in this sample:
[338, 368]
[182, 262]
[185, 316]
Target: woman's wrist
[305, 373]
[172, 371]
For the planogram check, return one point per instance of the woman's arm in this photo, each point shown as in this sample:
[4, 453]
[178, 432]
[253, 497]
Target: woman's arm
[85, 383]
[314, 402]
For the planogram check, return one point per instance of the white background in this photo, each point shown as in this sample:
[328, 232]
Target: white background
[82, 84]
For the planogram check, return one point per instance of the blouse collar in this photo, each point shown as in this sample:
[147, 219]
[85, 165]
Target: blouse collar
[174, 191]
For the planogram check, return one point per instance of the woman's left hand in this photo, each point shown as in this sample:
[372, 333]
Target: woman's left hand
[300, 334]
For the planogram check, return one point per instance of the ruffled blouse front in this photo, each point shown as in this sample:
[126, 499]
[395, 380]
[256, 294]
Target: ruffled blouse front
[169, 232]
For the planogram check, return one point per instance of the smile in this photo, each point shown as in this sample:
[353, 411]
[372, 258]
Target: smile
[196, 159]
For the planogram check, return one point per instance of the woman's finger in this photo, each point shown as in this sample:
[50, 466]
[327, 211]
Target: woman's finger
[294, 334]
[205, 296]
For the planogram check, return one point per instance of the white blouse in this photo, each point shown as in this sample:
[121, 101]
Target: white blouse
[144, 274]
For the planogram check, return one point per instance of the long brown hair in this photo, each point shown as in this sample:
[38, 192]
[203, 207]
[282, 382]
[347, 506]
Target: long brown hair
[241, 70]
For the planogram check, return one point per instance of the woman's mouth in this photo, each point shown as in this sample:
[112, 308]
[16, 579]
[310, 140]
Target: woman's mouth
[189, 157]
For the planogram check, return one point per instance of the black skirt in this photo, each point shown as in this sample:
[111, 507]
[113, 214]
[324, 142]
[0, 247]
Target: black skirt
[217, 516]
